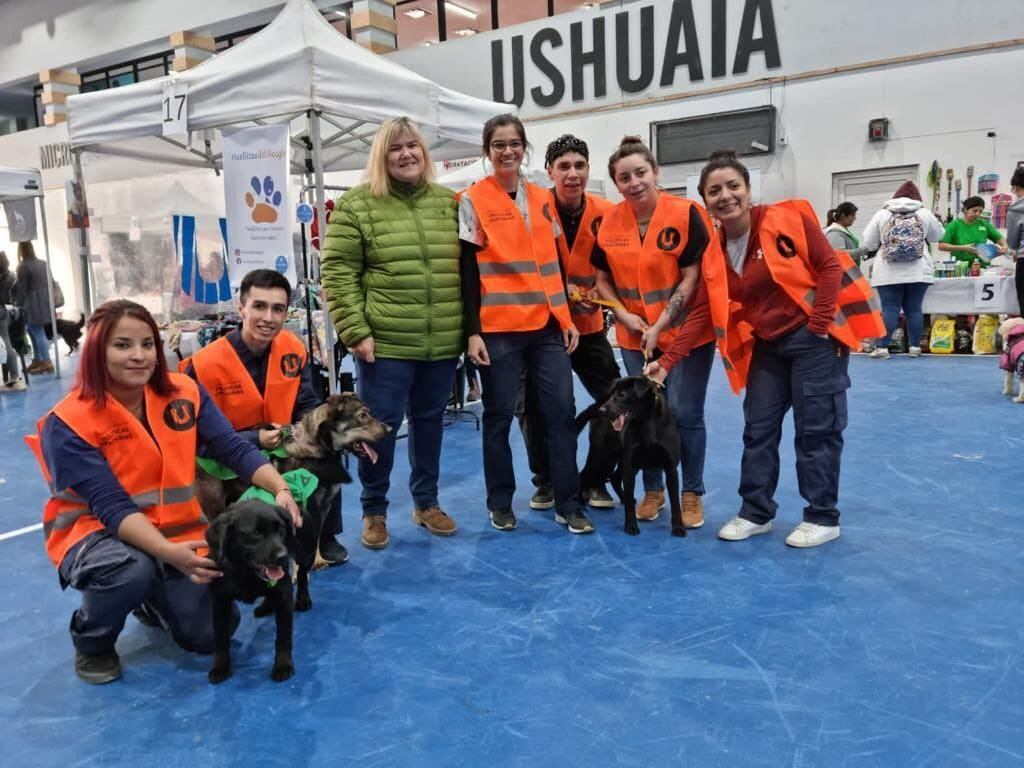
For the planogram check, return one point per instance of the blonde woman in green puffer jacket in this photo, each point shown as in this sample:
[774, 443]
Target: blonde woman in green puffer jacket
[391, 274]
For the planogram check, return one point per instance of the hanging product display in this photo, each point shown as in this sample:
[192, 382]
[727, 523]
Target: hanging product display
[1000, 207]
[949, 195]
[193, 284]
[988, 182]
[970, 178]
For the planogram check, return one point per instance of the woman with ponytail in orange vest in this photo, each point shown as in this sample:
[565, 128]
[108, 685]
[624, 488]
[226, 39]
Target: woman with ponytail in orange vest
[122, 524]
[647, 258]
[517, 316]
[785, 309]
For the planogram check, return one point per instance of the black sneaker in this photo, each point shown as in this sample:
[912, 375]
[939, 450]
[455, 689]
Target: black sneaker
[577, 522]
[543, 498]
[599, 498]
[98, 668]
[332, 552]
[503, 519]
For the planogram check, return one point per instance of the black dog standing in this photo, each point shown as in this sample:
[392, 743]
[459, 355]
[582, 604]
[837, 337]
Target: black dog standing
[252, 542]
[637, 432]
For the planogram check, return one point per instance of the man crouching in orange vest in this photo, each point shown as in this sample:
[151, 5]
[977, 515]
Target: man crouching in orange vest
[259, 374]
[786, 310]
[119, 455]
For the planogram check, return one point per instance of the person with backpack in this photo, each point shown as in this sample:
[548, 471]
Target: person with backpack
[902, 267]
[837, 230]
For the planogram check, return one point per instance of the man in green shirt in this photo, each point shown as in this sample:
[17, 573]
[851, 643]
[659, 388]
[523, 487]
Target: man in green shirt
[970, 230]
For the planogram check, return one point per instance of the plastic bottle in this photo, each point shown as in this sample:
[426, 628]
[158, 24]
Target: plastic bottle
[976, 268]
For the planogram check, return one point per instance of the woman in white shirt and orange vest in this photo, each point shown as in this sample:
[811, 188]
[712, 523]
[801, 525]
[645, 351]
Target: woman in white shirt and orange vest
[647, 258]
[122, 524]
[516, 316]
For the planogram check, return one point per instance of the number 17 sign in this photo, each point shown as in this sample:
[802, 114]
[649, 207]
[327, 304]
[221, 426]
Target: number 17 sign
[174, 108]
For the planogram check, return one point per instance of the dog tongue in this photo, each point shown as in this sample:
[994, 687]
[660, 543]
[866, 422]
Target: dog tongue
[273, 573]
[619, 423]
[370, 453]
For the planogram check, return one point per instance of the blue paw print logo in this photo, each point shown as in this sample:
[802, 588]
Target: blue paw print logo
[264, 200]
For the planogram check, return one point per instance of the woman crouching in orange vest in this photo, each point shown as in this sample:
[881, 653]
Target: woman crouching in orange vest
[119, 455]
[516, 316]
[648, 252]
[785, 309]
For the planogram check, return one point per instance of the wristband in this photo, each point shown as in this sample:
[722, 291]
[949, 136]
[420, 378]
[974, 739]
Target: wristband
[283, 490]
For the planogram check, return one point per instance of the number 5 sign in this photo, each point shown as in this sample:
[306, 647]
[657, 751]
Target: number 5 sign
[986, 296]
[174, 108]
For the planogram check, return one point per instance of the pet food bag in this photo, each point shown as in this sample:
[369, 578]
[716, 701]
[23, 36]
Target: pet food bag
[985, 335]
[943, 333]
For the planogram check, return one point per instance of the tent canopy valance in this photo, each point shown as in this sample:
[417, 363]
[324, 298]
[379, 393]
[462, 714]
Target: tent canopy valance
[297, 63]
[19, 183]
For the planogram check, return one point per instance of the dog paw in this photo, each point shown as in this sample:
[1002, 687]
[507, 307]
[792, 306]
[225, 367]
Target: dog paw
[282, 671]
[263, 609]
[679, 530]
[219, 674]
[303, 602]
[633, 529]
[1019, 399]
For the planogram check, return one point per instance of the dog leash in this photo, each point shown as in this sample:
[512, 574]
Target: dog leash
[577, 297]
[659, 384]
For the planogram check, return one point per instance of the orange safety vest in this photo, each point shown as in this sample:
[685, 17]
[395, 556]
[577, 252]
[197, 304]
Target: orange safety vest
[157, 471]
[576, 261]
[646, 273]
[784, 245]
[219, 369]
[520, 278]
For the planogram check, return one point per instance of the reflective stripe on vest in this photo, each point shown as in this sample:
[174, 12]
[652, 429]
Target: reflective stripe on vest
[858, 311]
[576, 261]
[155, 467]
[219, 369]
[516, 293]
[646, 273]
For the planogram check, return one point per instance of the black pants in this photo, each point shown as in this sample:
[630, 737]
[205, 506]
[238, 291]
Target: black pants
[1018, 279]
[594, 362]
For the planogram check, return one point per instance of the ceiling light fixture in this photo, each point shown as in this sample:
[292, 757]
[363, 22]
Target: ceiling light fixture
[340, 13]
[416, 13]
[465, 32]
[460, 10]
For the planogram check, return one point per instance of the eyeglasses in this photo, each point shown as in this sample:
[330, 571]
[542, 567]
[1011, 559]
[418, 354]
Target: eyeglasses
[501, 146]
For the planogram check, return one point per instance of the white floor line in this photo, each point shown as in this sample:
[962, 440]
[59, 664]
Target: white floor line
[20, 531]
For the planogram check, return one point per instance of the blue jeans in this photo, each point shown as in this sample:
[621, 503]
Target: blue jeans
[40, 344]
[809, 374]
[686, 388]
[543, 354]
[393, 389]
[909, 297]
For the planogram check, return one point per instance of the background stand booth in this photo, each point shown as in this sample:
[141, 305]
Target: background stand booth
[331, 92]
[25, 184]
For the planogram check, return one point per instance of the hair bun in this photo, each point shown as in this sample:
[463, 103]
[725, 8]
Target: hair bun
[722, 154]
[627, 140]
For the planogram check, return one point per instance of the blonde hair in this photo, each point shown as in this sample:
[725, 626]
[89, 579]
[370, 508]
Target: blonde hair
[377, 166]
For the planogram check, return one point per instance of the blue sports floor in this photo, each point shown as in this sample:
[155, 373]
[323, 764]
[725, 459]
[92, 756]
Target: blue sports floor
[898, 645]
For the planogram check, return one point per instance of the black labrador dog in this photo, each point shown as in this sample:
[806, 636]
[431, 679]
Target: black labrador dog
[316, 444]
[631, 429]
[252, 542]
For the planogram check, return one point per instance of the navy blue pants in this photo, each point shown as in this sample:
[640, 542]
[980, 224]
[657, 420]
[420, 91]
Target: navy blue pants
[393, 390]
[116, 578]
[808, 373]
[543, 354]
[686, 389]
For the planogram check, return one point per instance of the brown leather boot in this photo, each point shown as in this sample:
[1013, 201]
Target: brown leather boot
[434, 520]
[651, 505]
[693, 510]
[375, 532]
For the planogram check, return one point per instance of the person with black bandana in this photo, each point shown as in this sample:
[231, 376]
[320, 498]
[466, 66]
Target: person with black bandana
[578, 215]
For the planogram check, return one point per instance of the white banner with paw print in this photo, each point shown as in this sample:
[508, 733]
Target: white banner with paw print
[259, 214]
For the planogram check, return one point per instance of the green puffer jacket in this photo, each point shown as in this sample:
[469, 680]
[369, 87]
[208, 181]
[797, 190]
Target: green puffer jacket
[391, 270]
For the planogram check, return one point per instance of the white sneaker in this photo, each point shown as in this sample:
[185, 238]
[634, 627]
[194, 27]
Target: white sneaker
[914, 351]
[18, 385]
[739, 529]
[812, 535]
[880, 353]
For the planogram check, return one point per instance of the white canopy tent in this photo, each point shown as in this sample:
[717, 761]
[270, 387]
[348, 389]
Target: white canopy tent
[27, 184]
[298, 70]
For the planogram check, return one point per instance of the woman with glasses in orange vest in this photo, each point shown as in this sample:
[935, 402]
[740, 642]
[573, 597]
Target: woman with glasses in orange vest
[516, 317]
[648, 253]
[785, 309]
[122, 524]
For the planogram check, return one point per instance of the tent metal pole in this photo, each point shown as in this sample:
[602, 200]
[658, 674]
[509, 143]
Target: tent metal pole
[83, 233]
[321, 219]
[49, 286]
